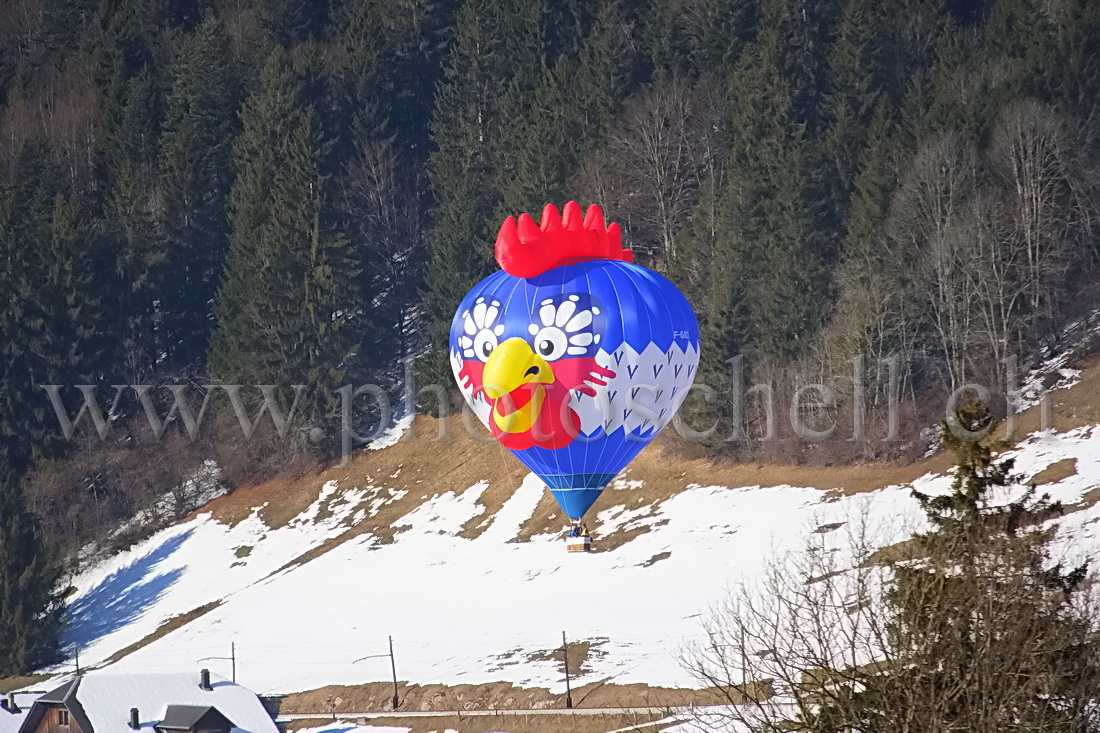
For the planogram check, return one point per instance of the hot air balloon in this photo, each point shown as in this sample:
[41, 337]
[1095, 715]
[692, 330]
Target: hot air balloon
[573, 356]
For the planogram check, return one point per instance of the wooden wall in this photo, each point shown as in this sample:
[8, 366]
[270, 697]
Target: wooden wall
[51, 722]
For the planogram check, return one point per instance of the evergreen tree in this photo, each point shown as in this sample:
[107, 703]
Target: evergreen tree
[30, 606]
[695, 39]
[875, 180]
[873, 297]
[546, 144]
[1020, 38]
[857, 81]
[976, 629]
[985, 631]
[723, 33]
[966, 626]
[571, 114]
[1076, 74]
[565, 26]
[495, 63]
[185, 14]
[53, 328]
[366, 76]
[417, 37]
[410, 128]
[874, 314]
[955, 94]
[119, 45]
[286, 311]
[709, 268]
[292, 21]
[130, 158]
[393, 55]
[769, 203]
[797, 39]
[664, 39]
[62, 22]
[1044, 52]
[196, 172]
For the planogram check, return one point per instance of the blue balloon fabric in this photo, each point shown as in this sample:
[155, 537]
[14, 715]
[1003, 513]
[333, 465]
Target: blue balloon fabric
[576, 369]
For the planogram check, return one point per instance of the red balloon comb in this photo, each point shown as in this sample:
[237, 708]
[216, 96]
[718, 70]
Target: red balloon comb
[525, 249]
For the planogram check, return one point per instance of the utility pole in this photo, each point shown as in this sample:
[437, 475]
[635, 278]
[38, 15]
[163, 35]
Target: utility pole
[744, 665]
[565, 658]
[76, 651]
[393, 668]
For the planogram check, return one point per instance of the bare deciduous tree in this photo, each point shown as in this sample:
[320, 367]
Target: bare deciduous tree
[64, 110]
[650, 172]
[993, 267]
[928, 241]
[384, 200]
[780, 648]
[90, 498]
[1028, 151]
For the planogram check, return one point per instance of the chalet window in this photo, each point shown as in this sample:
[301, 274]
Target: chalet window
[62, 717]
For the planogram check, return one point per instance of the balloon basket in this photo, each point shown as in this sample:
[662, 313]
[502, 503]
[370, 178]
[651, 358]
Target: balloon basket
[578, 544]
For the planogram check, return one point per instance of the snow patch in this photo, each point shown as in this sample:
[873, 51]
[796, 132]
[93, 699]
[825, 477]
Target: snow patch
[392, 434]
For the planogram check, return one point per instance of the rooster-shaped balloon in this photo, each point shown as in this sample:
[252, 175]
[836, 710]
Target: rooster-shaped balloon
[573, 356]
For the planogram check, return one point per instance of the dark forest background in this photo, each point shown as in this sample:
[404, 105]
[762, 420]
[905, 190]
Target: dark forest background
[286, 192]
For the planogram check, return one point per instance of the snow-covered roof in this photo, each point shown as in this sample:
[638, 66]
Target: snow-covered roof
[10, 722]
[106, 699]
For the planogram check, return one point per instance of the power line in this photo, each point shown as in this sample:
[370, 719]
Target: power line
[232, 658]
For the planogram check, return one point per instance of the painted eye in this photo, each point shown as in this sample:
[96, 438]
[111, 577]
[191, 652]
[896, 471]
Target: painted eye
[551, 343]
[484, 343]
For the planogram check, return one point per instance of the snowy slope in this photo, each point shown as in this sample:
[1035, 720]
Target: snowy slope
[461, 611]
[484, 609]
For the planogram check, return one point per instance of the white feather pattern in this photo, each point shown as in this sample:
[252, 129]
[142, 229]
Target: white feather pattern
[644, 394]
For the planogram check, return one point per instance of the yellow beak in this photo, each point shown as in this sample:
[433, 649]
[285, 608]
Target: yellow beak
[510, 366]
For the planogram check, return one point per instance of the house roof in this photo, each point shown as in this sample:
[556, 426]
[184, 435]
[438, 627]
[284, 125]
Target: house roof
[10, 722]
[105, 699]
[184, 717]
[63, 695]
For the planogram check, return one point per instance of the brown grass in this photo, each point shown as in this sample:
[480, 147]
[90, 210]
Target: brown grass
[518, 723]
[904, 550]
[1071, 408]
[166, 627]
[1088, 499]
[18, 682]
[442, 456]
[1056, 472]
[491, 696]
[514, 723]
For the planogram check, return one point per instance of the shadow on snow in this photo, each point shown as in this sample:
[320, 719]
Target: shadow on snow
[123, 596]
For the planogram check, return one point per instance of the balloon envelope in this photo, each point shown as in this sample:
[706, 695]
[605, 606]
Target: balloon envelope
[575, 370]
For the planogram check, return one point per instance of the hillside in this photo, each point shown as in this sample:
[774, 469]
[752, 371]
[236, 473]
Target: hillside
[199, 193]
[275, 208]
[450, 548]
